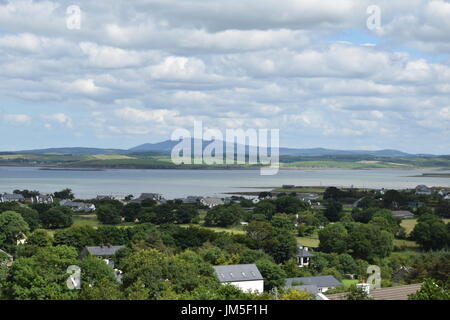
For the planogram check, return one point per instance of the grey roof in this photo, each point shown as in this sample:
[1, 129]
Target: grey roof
[104, 250]
[402, 214]
[303, 253]
[238, 272]
[311, 288]
[319, 281]
[12, 196]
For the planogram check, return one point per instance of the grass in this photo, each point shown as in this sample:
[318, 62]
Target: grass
[308, 242]
[232, 230]
[406, 244]
[409, 224]
[85, 220]
[347, 283]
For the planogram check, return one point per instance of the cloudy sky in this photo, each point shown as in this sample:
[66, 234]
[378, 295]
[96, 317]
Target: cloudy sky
[137, 70]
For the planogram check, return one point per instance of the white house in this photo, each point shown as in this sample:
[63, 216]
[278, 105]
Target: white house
[212, 202]
[303, 256]
[42, 198]
[243, 276]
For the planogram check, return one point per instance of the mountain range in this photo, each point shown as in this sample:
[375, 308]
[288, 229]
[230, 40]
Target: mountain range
[165, 147]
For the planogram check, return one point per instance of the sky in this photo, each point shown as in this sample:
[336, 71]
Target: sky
[134, 71]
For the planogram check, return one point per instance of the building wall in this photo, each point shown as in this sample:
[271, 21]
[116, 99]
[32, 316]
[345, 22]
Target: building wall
[250, 285]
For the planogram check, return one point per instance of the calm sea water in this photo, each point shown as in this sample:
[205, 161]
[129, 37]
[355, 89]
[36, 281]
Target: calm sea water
[181, 183]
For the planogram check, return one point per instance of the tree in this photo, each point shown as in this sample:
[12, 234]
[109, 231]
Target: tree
[258, 232]
[333, 238]
[431, 290]
[331, 193]
[224, 216]
[356, 293]
[56, 218]
[64, 194]
[108, 214]
[12, 228]
[77, 236]
[368, 242]
[266, 208]
[131, 211]
[290, 205]
[443, 209]
[183, 272]
[333, 210]
[283, 221]
[42, 276]
[274, 276]
[293, 294]
[431, 233]
[30, 216]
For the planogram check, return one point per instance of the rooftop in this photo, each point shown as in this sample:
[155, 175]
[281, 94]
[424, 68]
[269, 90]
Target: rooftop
[238, 272]
[319, 281]
[104, 250]
[391, 293]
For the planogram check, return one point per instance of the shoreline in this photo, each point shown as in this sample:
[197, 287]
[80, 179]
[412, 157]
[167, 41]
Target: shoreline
[105, 168]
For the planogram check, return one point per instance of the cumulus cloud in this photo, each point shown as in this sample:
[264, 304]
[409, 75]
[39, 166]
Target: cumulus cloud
[17, 119]
[59, 118]
[142, 68]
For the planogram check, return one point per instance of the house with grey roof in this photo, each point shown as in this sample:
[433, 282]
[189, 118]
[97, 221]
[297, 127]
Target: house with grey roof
[150, 196]
[323, 283]
[243, 276]
[212, 202]
[42, 198]
[11, 197]
[423, 190]
[103, 252]
[303, 256]
[78, 206]
[403, 214]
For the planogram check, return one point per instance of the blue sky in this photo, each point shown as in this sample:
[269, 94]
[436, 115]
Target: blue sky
[136, 71]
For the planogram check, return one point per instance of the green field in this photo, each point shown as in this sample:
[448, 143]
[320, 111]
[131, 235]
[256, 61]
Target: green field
[163, 161]
[409, 224]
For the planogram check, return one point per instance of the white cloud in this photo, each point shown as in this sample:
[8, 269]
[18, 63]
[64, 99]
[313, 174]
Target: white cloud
[59, 118]
[17, 119]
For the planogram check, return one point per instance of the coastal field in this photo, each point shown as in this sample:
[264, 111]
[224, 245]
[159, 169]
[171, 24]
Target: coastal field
[161, 161]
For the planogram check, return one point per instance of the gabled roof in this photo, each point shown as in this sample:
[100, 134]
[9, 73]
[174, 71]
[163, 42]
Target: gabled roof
[320, 281]
[12, 196]
[303, 253]
[238, 272]
[104, 250]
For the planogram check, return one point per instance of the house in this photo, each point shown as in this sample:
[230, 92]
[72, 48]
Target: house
[243, 276]
[11, 197]
[102, 198]
[78, 206]
[402, 214]
[212, 202]
[42, 198]
[323, 283]
[190, 199]
[303, 256]
[149, 196]
[390, 293]
[104, 252]
[423, 190]
[6, 259]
